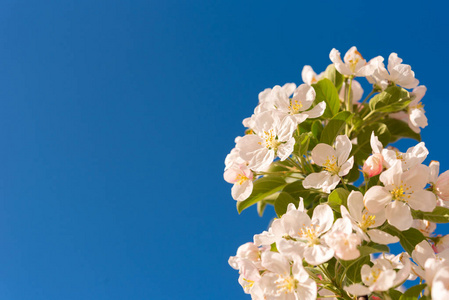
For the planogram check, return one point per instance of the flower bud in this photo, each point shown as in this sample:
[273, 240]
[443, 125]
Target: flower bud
[373, 165]
[441, 187]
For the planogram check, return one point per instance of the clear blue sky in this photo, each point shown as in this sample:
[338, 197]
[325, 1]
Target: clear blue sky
[116, 116]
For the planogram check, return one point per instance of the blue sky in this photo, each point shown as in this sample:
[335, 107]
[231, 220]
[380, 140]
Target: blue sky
[116, 116]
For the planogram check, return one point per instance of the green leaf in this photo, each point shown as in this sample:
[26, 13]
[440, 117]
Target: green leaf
[373, 248]
[263, 187]
[334, 127]
[333, 75]
[326, 91]
[296, 190]
[317, 129]
[302, 143]
[394, 294]
[408, 238]
[395, 107]
[353, 270]
[282, 202]
[413, 292]
[363, 148]
[391, 98]
[400, 129]
[261, 207]
[438, 215]
[337, 198]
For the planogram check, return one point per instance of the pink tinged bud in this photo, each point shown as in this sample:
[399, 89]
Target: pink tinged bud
[373, 165]
[441, 187]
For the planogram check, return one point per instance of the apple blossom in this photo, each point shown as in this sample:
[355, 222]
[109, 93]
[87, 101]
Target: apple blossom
[374, 164]
[242, 178]
[341, 239]
[363, 222]
[414, 156]
[354, 64]
[335, 162]
[402, 191]
[273, 138]
[398, 73]
[309, 76]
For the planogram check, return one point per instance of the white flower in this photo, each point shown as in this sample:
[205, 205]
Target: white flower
[309, 76]
[274, 137]
[414, 156]
[304, 234]
[354, 64]
[374, 164]
[423, 251]
[242, 178]
[426, 227]
[440, 184]
[341, 239]
[381, 276]
[335, 163]
[437, 277]
[402, 190]
[415, 115]
[398, 73]
[297, 106]
[364, 222]
[233, 157]
[285, 280]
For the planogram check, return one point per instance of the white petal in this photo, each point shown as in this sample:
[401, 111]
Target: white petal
[399, 215]
[318, 254]
[321, 153]
[357, 289]
[355, 205]
[343, 147]
[423, 200]
[317, 111]
[376, 198]
[381, 237]
[324, 214]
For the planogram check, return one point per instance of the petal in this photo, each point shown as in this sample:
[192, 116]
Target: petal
[316, 180]
[343, 147]
[376, 198]
[318, 254]
[323, 213]
[305, 94]
[242, 191]
[275, 262]
[376, 145]
[381, 237]
[346, 167]
[317, 111]
[355, 205]
[286, 149]
[422, 200]
[321, 153]
[341, 67]
[393, 175]
[357, 289]
[399, 215]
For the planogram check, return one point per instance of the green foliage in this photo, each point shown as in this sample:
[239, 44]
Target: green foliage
[413, 292]
[393, 99]
[337, 198]
[282, 202]
[400, 129]
[438, 215]
[263, 187]
[326, 91]
[334, 127]
[408, 238]
[334, 76]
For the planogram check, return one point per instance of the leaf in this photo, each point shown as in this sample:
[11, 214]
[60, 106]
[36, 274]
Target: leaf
[408, 238]
[302, 143]
[363, 148]
[394, 294]
[413, 292]
[296, 190]
[263, 187]
[373, 248]
[334, 127]
[337, 198]
[282, 202]
[353, 270]
[400, 129]
[261, 207]
[438, 215]
[326, 91]
[391, 98]
[333, 75]
[317, 129]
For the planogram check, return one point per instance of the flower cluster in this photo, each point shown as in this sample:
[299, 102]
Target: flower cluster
[323, 158]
